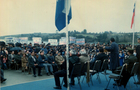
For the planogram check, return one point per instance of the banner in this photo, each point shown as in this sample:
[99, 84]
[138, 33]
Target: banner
[62, 41]
[80, 41]
[72, 40]
[37, 40]
[9, 39]
[23, 40]
[63, 37]
[53, 41]
[16, 40]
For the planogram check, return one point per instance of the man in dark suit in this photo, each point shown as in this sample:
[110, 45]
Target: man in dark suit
[51, 61]
[101, 56]
[63, 73]
[33, 62]
[114, 60]
[138, 56]
[43, 62]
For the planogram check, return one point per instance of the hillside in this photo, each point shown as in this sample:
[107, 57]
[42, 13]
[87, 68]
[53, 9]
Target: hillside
[89, 37]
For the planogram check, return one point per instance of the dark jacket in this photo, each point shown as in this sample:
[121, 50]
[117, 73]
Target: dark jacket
[138, 52]
[51, 59]
[17, 58]
[72, 60]
[1, 60]
[101, 56]
[41, 60]
[127, 71]
[130, 62]
[138, 56]
[114, 60]
[0, 64]
[31, 61]
[11, 57]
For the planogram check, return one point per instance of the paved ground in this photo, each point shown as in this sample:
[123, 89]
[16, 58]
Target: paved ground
[16, 77]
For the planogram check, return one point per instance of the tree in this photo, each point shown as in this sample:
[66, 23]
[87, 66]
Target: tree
[117, 39]
[84, 31]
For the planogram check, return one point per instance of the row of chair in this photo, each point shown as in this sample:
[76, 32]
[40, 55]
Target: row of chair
[99, 67]
[83, 70]
[118, 76]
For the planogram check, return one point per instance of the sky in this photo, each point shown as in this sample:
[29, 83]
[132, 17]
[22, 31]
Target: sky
[33, 16]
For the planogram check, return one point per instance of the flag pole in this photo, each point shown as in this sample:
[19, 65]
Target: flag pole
[133, 41]
[67, 45]
[133, 36]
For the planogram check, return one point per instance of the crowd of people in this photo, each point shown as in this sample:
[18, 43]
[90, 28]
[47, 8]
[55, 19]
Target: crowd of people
[53, 58]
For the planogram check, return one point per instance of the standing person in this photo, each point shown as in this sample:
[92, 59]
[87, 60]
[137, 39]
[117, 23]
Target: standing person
[2, 54]
[114, 59]
[121, 57]
[4, 62]
[138, 57]
[2, 73]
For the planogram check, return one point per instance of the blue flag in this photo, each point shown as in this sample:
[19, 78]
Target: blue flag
[60, 15]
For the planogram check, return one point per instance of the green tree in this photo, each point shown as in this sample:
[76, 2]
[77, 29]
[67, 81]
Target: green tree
[84, 31]
[117, 39]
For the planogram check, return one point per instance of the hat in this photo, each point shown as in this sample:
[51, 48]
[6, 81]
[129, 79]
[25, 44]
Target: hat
[130, 50]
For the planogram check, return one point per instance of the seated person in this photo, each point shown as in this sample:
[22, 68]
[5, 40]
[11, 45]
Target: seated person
[18, 58]
[43, 62]
[101, 56]
[24, 62]
[84, 57]
[130, 60]
[51, 61]
[63, 73]
[59, 60]
[33, 62]
[11, 59]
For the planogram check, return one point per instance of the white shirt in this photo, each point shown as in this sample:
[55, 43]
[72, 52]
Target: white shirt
[33, 58]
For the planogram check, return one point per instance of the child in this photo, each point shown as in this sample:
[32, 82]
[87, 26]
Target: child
[121, 57]
[4, 62]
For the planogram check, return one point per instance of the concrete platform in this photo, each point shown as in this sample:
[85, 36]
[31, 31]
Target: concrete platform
[17, 77]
